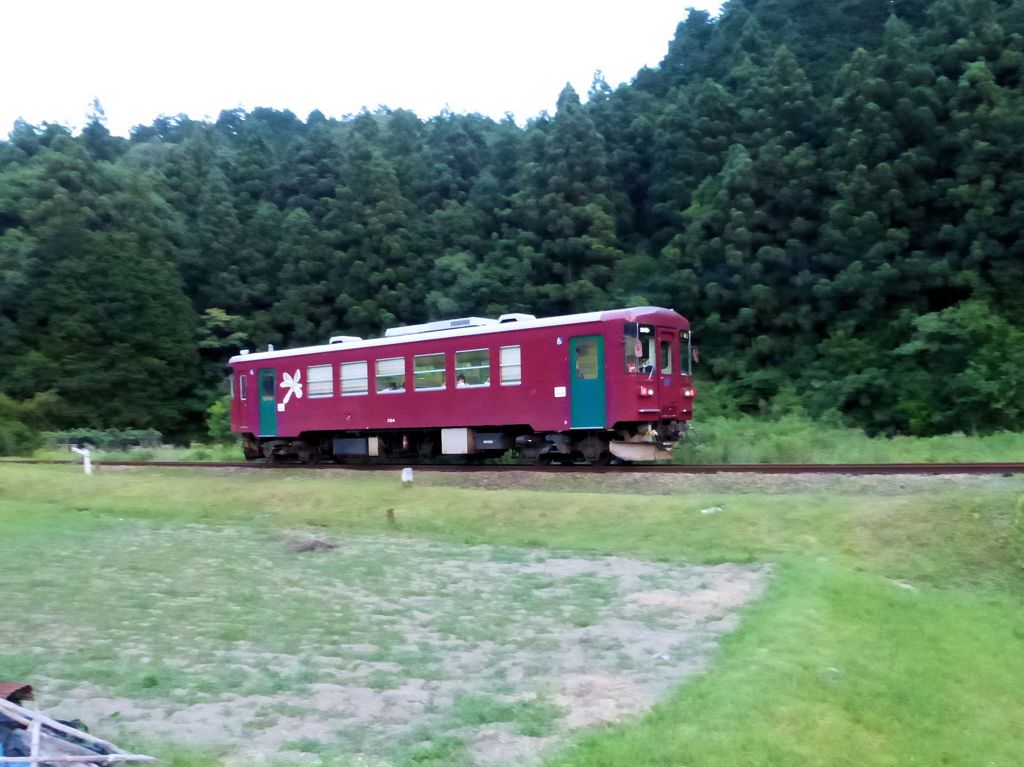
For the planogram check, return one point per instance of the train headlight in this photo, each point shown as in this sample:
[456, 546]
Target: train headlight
[646, 391]
[689, 392]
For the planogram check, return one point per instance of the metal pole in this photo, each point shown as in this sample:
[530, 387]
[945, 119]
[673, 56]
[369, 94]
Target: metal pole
[34, 733]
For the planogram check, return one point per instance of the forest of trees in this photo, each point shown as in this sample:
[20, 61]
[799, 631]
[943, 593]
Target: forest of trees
[832, 192]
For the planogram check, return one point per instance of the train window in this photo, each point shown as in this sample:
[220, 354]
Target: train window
[391, 375]
[267, 387]
[473, 368]
[685, 353]
[639, 344]
[353, 379]
[511, 366]
[321, 381]
[241, 386]
[428, 371]
[586, 361]
[666, 356]
[231, 387]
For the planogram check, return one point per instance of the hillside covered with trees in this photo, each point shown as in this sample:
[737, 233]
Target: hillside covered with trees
[832, 192]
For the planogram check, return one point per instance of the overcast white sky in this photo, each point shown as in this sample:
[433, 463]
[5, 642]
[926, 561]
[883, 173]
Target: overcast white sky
[143, 59]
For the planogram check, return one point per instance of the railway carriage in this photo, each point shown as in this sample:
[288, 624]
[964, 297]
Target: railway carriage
[589, 386]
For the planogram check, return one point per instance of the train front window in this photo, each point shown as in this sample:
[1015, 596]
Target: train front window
[685, 353]
[638, 341]
[241, 386]
[666, 356]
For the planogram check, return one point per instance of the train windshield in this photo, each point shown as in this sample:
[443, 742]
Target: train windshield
[639, 344]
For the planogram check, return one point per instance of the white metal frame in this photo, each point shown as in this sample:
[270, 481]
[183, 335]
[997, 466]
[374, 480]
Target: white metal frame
[67, 752]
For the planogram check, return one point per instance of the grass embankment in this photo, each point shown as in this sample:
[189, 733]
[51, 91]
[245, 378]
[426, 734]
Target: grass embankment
[798, 439]
[716, 440]
[891, 633]
[195, 452]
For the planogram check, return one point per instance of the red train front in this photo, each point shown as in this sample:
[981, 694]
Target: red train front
[585, 386]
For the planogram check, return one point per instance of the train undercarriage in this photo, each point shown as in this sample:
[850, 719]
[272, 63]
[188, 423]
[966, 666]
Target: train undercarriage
[626, 443]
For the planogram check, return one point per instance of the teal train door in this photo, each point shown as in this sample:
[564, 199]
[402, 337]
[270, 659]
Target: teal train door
[586, 371]
[268, 402]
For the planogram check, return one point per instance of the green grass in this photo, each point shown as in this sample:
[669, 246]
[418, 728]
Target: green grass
[533, 717]
[717, 440]
[891, 634]
[797, 439]
[194, 452]
[837, 667]
[434, 750]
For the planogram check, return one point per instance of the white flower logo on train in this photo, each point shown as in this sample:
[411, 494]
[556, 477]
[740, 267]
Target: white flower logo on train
[293, 383]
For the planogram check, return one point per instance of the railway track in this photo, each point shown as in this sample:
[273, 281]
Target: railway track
[759, 468]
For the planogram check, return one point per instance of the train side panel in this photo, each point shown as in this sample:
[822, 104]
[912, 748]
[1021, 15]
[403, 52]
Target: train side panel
[583, 375]
[537, 397]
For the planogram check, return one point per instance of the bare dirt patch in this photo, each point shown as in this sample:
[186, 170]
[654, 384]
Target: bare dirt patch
[590, 699]
[500, 745]
[382, 648]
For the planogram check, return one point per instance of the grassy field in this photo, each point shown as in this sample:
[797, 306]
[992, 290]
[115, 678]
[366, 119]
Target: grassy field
[890, 632]
[195, 452]
[716, 440]
[798, 439]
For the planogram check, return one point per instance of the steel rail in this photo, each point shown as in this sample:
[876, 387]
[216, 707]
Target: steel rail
[736, 468]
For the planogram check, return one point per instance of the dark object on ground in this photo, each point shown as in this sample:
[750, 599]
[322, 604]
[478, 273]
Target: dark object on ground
[15, 692]
[311, 543]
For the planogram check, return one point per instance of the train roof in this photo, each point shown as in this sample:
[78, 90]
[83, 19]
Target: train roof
[631, 314]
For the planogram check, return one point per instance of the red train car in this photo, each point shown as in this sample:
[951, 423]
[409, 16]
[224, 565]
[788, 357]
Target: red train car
[587, 386]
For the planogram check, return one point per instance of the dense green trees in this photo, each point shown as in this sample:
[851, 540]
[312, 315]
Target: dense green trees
[833, 193]
[100, 318]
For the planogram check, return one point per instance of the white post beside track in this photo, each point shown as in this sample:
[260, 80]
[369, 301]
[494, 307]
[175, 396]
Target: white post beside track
[86, 458]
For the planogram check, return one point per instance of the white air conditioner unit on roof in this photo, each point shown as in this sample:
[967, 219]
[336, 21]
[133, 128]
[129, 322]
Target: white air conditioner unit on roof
[440, 325]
